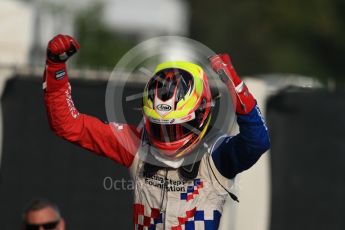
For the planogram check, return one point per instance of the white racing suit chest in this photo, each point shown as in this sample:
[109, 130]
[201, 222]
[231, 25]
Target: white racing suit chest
[164, 199]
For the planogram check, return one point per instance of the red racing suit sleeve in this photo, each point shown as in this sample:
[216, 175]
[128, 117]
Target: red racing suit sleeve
[118, 142]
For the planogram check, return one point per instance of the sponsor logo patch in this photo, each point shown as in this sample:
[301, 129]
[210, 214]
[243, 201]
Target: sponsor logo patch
[163, 107]
[161, 182]
[60, 74]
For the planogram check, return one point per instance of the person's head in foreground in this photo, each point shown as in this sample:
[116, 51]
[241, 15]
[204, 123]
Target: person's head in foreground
[42, 214]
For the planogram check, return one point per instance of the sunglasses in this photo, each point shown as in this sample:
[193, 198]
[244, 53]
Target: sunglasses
[46, 226]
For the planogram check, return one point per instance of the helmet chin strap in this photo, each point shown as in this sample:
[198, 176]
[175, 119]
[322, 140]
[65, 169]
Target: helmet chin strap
[169, 162]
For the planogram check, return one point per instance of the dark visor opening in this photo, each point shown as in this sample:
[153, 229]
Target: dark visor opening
[170, 132]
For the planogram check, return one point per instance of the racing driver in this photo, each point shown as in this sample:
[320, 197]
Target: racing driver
[169, 193]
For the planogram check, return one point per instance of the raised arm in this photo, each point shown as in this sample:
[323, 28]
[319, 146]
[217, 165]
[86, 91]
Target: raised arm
[233, 155]
[118, 142]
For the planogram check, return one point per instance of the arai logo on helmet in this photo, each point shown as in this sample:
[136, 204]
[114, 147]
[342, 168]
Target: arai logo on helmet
[163, 107]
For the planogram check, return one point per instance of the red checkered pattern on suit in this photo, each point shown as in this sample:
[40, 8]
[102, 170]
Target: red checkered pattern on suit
[141, 220]
[183, 220]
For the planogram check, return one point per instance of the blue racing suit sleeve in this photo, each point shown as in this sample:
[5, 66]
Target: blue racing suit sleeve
[234, 154]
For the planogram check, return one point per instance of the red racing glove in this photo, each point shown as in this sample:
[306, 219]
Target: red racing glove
[59, 49]
[245, 101]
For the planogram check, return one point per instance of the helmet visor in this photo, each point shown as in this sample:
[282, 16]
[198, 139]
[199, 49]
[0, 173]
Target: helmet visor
[172, 132]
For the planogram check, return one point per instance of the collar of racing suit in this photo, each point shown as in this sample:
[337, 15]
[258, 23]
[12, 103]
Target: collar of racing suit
[169, 162]
[154, 161]
[186, 171]
[152, 165]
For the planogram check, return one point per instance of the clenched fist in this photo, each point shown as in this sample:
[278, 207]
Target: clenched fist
[61, 47]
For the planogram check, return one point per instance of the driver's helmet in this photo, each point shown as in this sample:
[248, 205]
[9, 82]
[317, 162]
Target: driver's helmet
[177, 108]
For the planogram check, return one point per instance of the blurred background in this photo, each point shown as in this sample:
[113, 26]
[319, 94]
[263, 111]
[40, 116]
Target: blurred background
[289, 52]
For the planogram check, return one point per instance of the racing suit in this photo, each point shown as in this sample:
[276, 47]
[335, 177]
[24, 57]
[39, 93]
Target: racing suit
[189, 197]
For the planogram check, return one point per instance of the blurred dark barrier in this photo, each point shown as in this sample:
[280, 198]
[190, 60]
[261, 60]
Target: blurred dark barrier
[36, 163]
[308, 160]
